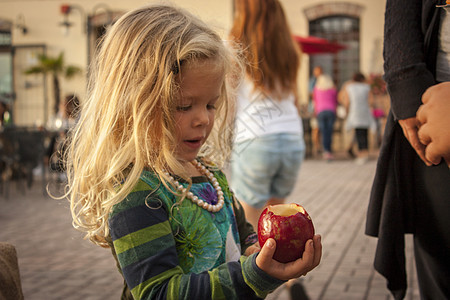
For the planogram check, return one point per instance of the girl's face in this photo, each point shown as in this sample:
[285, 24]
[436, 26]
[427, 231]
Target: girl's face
[200, 89]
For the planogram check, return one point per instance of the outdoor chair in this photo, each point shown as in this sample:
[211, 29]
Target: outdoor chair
[22, 151]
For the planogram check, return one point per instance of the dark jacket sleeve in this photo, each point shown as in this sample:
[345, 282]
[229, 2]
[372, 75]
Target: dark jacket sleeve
[247, 233]
[405, 63]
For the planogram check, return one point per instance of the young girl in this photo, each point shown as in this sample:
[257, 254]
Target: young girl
[141, 176]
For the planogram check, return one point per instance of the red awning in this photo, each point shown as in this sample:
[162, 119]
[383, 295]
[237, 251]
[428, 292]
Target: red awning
[315, 45]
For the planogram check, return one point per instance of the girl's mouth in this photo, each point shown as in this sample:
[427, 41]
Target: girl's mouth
[194, 143]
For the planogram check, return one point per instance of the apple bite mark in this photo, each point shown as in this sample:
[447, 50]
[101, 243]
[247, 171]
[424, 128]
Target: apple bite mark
[286, 210]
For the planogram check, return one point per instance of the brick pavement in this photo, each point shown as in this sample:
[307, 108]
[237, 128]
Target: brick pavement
[55, 263]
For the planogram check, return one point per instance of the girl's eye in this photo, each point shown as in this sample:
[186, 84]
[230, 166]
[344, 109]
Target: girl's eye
[183, 108]
[211, 106]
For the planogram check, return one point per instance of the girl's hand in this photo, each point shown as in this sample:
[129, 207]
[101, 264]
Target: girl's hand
[310, 260]
[252, 249]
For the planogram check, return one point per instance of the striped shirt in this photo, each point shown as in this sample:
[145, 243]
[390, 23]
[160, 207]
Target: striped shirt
[168, 251]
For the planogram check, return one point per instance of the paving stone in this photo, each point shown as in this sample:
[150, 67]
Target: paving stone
[57, 263]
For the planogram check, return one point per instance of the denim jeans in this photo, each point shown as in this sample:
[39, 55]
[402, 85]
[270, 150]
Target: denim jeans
[266, 167]
[326, 120]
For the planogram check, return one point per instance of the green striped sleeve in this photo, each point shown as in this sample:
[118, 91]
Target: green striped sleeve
[172, 276]
[259, 281]
[140, 237]
[216, 281]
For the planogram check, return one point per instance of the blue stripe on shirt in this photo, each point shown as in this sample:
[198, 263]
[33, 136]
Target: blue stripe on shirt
[145, 269]
[199, 286]
[139, 217]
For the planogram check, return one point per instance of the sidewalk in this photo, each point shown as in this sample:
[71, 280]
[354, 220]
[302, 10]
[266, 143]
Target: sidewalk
[56, 263]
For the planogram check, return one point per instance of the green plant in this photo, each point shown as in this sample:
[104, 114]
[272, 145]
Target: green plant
[55, 67]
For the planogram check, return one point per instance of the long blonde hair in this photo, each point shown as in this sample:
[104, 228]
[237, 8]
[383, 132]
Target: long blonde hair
[127, 122]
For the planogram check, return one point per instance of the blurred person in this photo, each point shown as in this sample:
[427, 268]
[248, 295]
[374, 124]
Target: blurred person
[325, 104]
[269, 146]
[409, 193]
[356, 97]
[315, 131]
[59, 125]
[67, 114]
[5, 116]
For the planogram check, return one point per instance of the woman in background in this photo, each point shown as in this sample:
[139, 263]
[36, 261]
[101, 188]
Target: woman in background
[325, 103]
[268, 146]
[357, 98]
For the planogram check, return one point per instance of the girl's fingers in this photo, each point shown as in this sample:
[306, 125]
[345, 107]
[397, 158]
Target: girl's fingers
[317, 249]
[312, 255]
[307, 259]
[264, 258]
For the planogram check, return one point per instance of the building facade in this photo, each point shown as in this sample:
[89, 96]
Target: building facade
[30, 28]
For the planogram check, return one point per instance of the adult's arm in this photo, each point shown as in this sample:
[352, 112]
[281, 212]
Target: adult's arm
[406, 72]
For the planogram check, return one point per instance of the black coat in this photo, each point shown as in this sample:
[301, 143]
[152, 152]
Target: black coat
[410, 50]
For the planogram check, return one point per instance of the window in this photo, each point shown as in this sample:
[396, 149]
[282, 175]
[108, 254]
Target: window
[343, 30]
[6, 91]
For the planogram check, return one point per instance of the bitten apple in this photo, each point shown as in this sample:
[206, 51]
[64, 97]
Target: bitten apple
[290, 226]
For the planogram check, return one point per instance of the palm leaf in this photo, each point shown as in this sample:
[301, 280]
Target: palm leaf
[71, 71]
[35, 70]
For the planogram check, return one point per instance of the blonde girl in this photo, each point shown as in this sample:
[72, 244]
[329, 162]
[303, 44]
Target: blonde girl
[143, 165]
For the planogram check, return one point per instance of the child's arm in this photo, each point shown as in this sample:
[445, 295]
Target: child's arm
[145, 247]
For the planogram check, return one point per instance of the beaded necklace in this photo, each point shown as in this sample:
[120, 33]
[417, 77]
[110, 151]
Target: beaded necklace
[200, 202]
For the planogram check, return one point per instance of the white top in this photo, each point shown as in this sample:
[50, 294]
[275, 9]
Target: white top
[258, 114]
[359, 114]
[443, 56]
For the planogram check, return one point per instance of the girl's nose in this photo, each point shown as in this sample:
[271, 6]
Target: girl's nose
[202, 117]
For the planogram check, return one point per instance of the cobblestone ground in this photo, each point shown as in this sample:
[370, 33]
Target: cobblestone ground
[56, 263]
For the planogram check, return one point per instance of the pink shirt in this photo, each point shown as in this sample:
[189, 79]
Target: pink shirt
[324, 100]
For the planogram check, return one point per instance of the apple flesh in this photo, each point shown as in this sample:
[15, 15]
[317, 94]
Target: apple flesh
[290, 226]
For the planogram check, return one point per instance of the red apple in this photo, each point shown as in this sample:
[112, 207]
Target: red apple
[290, 226]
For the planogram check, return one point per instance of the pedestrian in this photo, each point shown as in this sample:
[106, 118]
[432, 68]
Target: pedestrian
[58, 128]
[356, 97]
[325, 104]
[5, 116]
[409, 193]
[315, 131]
[142, 177]
[269, 146]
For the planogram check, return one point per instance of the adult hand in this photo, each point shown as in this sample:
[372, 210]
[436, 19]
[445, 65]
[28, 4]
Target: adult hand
[310, 260]
[410, 129]
[433, 115]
